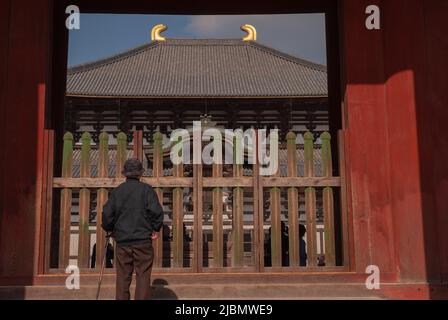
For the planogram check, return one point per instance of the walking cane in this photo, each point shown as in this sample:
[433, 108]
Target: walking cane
[102, 265]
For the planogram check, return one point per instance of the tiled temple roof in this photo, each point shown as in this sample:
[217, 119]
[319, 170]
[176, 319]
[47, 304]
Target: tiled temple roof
[210, 68]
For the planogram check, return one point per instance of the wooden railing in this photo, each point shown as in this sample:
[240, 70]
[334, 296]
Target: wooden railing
[301, 195]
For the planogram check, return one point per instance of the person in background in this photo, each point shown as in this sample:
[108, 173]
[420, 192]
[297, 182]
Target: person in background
[109, 256]
[133, 215]
[166, 233]
[302, 246]
[285, 244]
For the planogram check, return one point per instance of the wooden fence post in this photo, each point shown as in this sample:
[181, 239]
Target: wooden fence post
[258, 237]
[119, 161]
[327, 171]
[157, 171]
[276, 224]
[121, 153]
[237, 212]
[178, 216]
[66, 202]
[293, 202]
[217, 204]
[102, 195]
[310, 201]
[84, 205]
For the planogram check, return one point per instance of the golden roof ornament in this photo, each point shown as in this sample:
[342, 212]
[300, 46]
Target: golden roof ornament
[251, 32]
[156, 30]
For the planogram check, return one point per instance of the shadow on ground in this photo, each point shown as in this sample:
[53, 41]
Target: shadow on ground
[161, 292]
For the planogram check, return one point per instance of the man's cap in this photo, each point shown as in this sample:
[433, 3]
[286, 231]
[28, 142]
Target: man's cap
[133, 168]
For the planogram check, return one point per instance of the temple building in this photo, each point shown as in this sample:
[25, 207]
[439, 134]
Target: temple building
[168, 83]
[225, 84]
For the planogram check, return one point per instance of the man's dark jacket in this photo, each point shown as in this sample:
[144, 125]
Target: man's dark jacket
[132, 213]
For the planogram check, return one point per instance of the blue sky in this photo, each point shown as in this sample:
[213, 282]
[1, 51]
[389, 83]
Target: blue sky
[102, 35]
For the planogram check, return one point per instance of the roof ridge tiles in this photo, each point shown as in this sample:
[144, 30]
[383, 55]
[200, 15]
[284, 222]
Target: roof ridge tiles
[110, 59]
[289, 57]
[176, 41]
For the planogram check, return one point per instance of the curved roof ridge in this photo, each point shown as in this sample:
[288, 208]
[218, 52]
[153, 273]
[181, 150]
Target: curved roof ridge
[110, 59]
[205, 40]
[129, 52]
[303, 62]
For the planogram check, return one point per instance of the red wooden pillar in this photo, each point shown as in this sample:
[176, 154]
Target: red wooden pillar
[23, 29]
[417, 134]
[367, 134]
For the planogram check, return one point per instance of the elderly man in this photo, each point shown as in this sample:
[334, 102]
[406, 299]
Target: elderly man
[134, 216]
